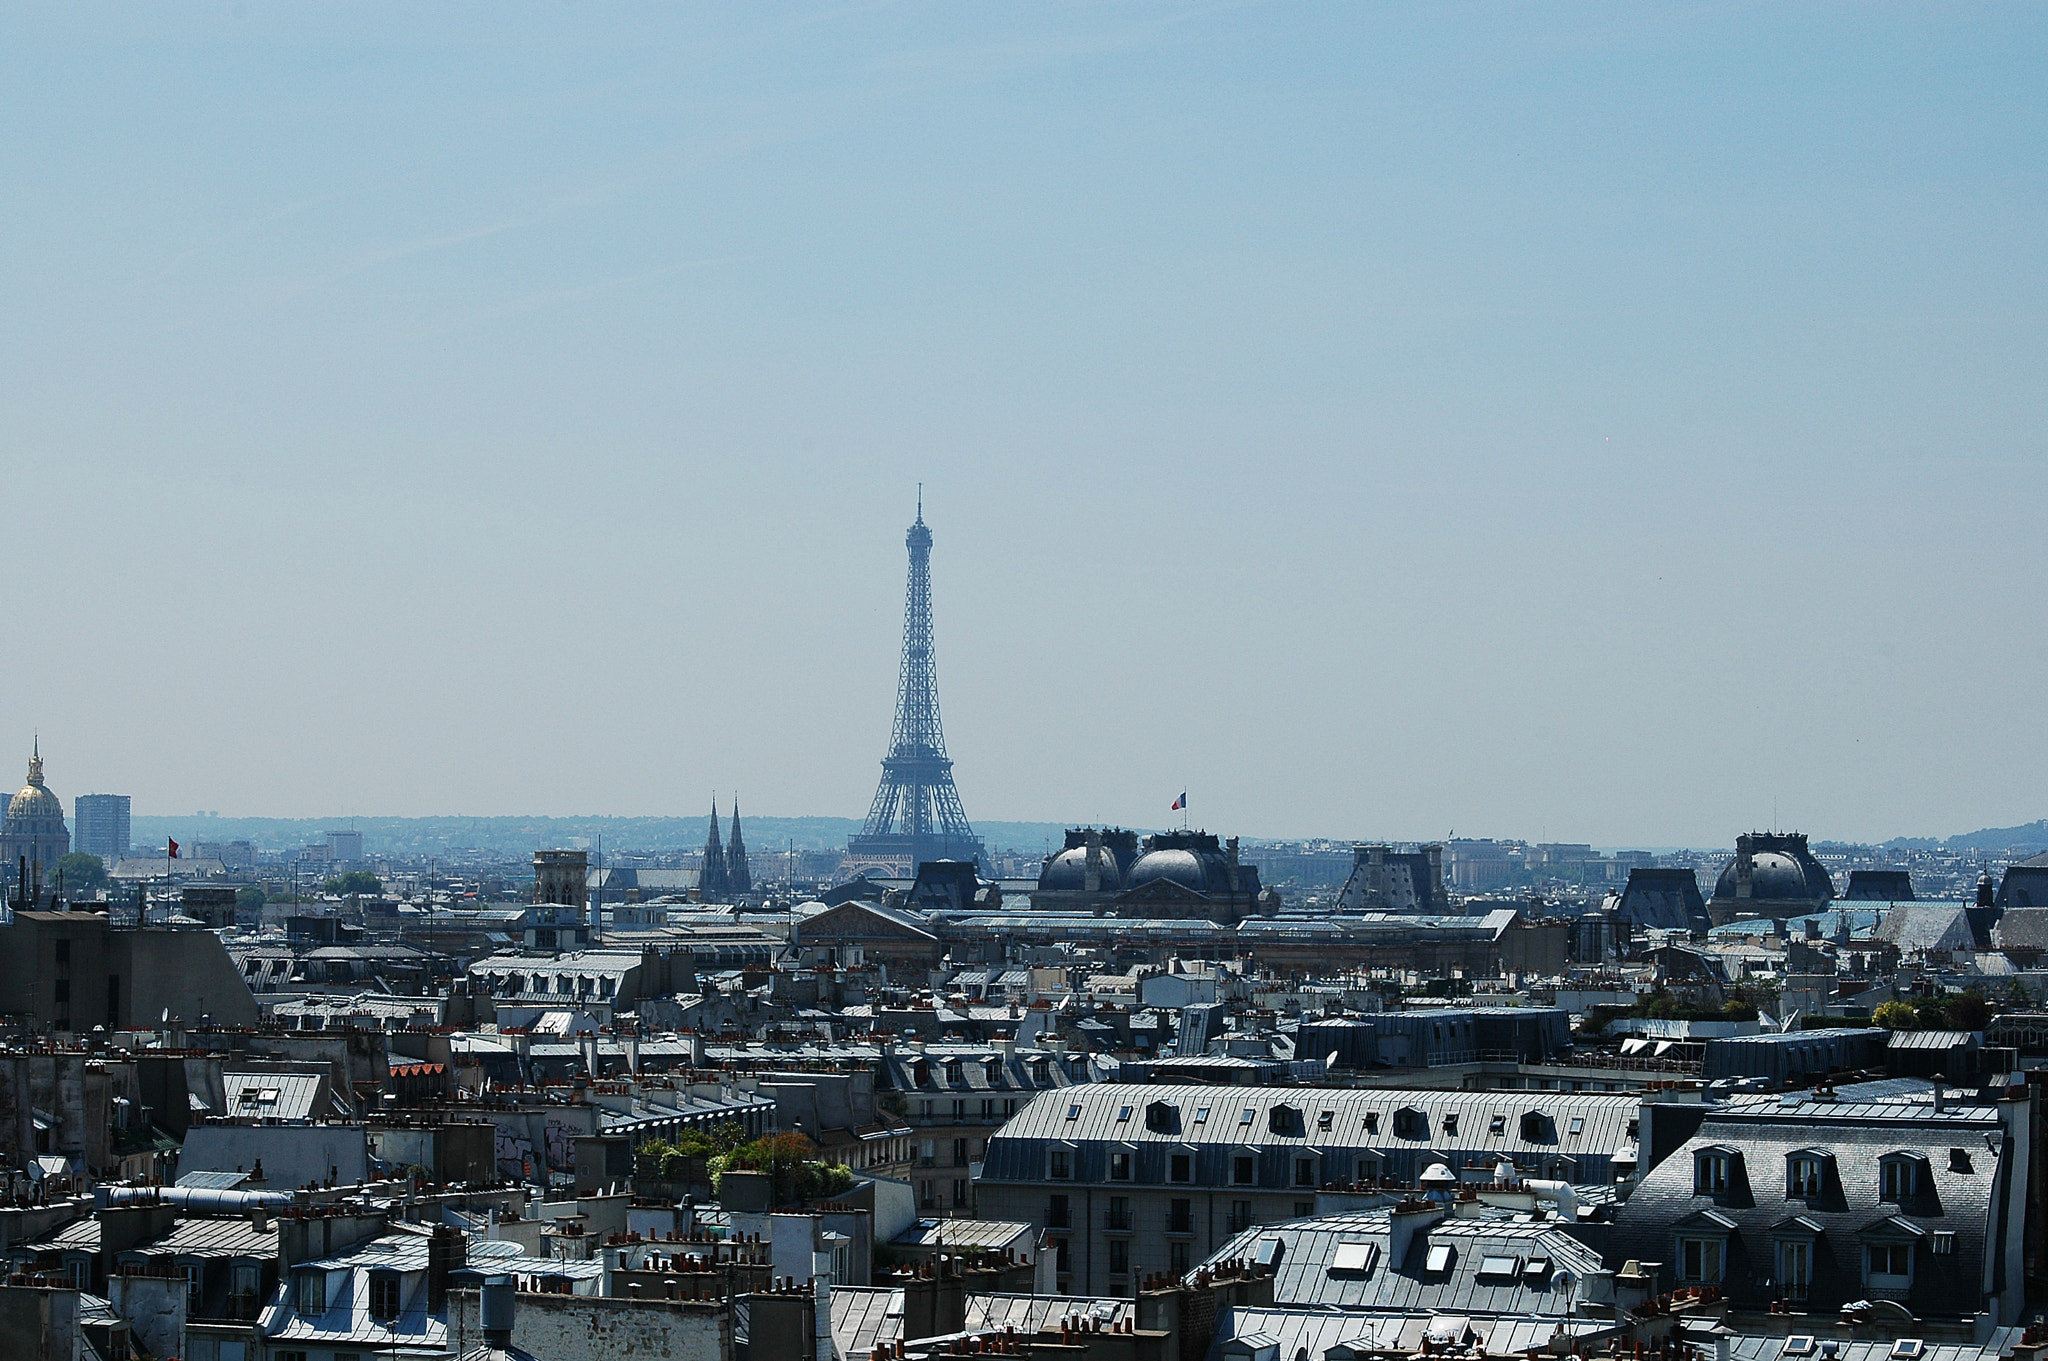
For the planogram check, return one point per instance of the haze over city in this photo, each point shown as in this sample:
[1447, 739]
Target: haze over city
[1595, 424]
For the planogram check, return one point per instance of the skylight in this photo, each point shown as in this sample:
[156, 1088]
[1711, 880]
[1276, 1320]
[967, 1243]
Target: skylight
[1439, 1258]
[1356, 1258]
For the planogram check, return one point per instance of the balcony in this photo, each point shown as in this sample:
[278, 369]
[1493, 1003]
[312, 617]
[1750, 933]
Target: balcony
[1180, 1221]
[1117, 1221]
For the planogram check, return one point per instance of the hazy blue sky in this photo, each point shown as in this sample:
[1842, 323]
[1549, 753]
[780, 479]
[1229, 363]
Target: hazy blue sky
[1608, 424]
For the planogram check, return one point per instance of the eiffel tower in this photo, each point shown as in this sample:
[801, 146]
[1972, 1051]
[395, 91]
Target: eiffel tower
[916, 815]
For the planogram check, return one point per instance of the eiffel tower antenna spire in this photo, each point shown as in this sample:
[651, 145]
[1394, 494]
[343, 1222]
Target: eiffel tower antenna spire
[916, 815]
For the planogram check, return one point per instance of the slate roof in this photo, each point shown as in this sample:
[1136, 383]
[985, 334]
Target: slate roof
[1961, 1199]
[1922, 927]
[966, 1068]
[1584, 1129]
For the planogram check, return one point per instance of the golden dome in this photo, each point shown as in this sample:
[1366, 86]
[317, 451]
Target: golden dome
[35, 800]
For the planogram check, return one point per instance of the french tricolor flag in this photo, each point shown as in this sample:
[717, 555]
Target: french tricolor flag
[1181, 802]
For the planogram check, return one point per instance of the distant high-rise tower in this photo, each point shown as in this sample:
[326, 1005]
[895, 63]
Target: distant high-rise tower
[103, 821]
[916, 815]
[738, 877]
[712, 883]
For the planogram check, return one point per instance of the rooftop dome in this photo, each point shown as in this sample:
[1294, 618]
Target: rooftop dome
[35, 801]
[1183, 867]
[1776, 874]
[1068, 871]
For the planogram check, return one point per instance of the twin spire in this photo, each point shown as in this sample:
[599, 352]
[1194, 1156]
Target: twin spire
[725, 874]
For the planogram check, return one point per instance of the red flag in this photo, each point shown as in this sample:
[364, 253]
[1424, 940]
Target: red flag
[174, 848]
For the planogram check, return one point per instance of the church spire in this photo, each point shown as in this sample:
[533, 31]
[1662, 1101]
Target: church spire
[35, 760]
[738, 877]
[712, 885]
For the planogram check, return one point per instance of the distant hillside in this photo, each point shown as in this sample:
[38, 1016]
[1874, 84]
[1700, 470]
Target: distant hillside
[517, 836]
[2030, 837]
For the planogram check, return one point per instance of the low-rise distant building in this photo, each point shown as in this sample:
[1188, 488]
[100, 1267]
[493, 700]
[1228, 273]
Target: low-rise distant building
[1386, 880]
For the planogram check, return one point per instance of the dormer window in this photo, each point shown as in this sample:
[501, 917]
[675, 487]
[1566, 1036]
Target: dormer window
[1323, 1119]
[1535, 1127]
[1898, 1177]
[1450, 1122]
[384, 1295]
[1803, 1173]
[1284, 1119]
[1372, 1122]
[1410, 1123]
[1497, 1127]
[1120, 1166]
[310, 1294]
[1710, 1174]
[1062, 1167]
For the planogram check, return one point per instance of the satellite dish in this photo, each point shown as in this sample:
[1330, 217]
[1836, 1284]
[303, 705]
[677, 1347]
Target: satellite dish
[1331, 1061]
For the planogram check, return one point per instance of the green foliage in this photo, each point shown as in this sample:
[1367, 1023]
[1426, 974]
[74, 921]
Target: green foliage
[249, 897]
[794, 1174]
[355, 881]
[1742, 1004]
[1971, 1010]
[83, 874]
[669, 1159]
[1897, 1016]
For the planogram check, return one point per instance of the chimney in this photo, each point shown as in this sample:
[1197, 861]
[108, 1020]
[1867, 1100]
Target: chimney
[446, 1252]
[494, 1311]
[1405, 1221]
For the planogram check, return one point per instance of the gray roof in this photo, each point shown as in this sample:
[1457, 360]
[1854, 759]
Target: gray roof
[1318, 1331]
[1488, 1271]
[1962, 1181]
[1584, 1129]
[1923, 927]
[271, 1096]
[1770, 1347]
[963, 1233]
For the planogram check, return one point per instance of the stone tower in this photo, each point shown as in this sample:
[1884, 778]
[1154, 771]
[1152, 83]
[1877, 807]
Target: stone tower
[738, 878]
[712, 884]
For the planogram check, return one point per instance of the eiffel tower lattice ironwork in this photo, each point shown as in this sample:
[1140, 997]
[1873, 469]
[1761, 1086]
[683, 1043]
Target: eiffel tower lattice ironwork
[916, 815]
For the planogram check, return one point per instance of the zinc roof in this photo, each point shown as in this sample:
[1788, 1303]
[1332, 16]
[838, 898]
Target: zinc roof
[1317, 1331]
[270, 1096]
[1101, 1106]
[1309, 1249]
